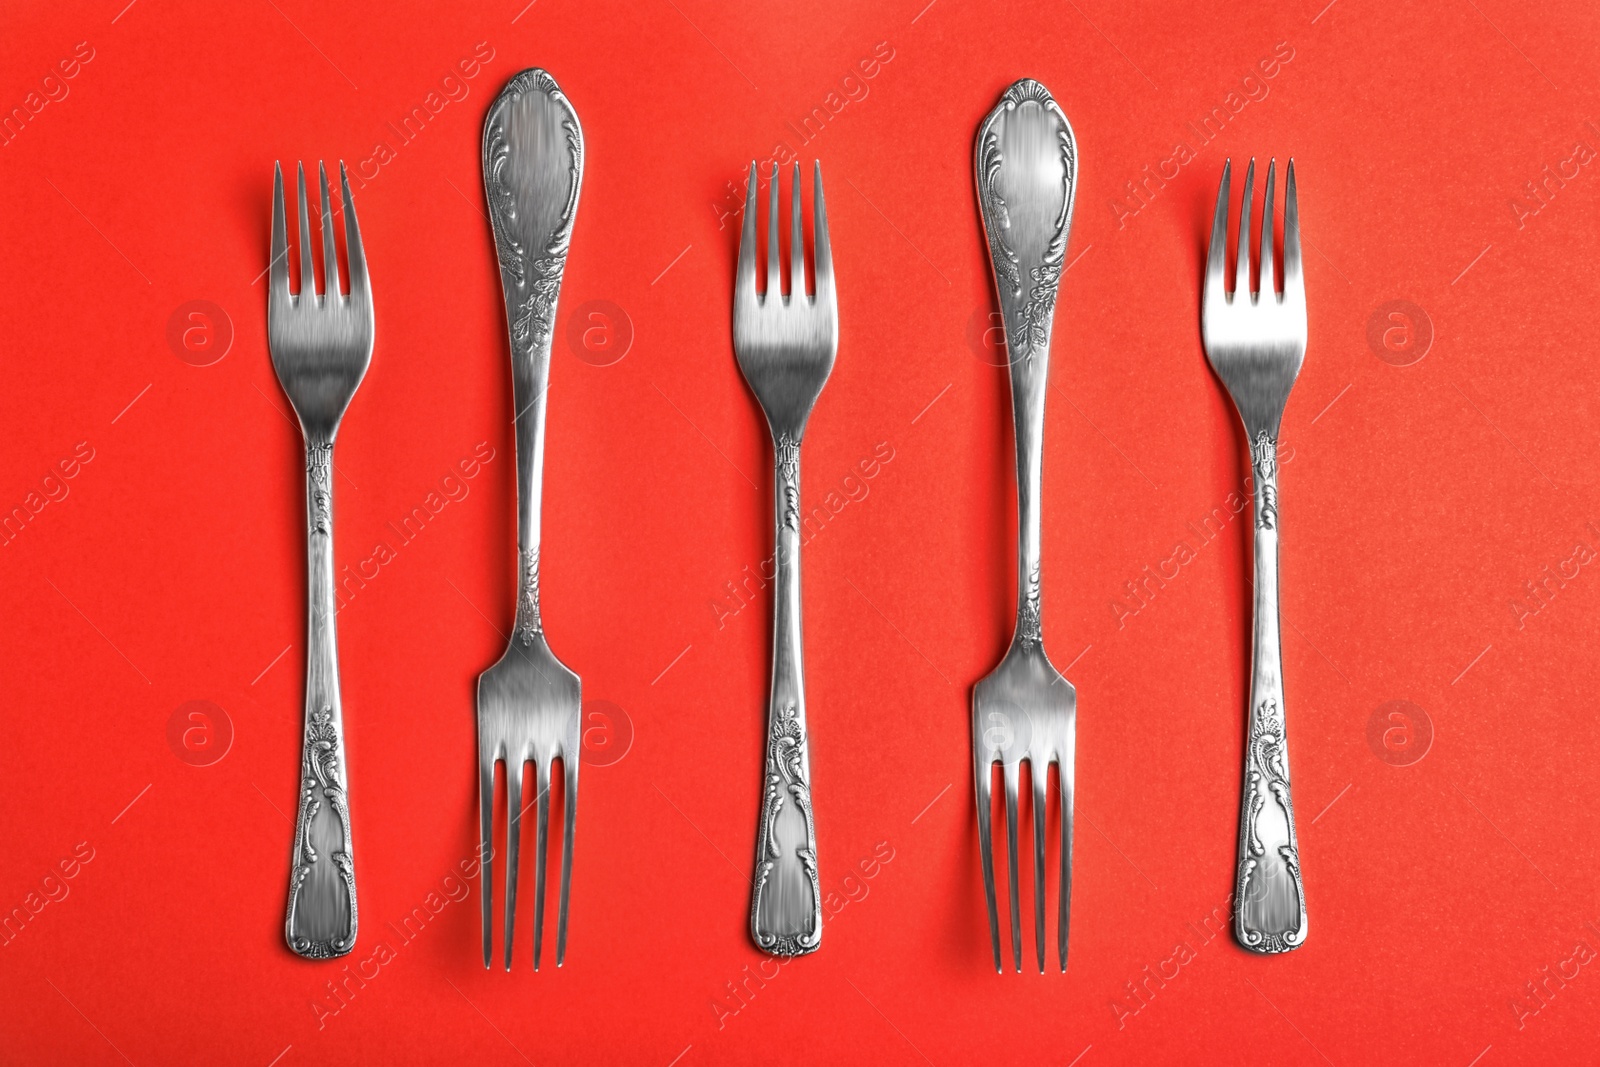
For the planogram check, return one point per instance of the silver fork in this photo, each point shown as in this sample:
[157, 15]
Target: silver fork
[1025, 711]
[1256, 341]
[529, 702]
[321, 345]
[785, 345]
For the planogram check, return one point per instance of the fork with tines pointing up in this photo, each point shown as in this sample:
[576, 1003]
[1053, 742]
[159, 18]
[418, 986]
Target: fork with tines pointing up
[785, 345]
[321, 345]
[1256, 341]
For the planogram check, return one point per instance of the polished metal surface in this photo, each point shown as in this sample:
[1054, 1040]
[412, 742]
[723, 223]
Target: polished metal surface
[321, 345]
[528, 702]
[785, 344]
[1024, 711]
[1256, 341]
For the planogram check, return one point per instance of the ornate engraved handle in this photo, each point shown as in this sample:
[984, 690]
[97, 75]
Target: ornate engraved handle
[786, 904]
[532, 174]
[1269, 897]
[321, 922]
[1027, 168]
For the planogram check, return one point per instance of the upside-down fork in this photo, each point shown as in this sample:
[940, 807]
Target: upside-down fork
[1025, 711]
[529, 703]
[1256, 341]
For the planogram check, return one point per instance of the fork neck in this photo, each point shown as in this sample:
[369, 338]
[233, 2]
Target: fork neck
[1028, 376]
[530, 371]
[786, 542]
[322, 657]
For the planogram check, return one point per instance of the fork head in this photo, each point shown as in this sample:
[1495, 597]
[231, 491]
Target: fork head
[1025, 712]
[529, 711]
[321, 344]
[786, 342]
[1255, 338]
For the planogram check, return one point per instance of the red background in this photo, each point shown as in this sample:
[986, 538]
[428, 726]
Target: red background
[1419, 501]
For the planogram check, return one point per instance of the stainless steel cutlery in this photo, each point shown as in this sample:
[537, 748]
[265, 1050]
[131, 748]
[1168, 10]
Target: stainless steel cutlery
[1256, 341]
[529, 702]
[1024, 711]
[785, 345]
[321, 345]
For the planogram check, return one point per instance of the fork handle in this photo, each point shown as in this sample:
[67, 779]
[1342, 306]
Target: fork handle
[321, 921]
[1269, 897]
[786, 902]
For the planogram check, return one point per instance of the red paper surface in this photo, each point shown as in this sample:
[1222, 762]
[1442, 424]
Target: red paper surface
[1441, 461]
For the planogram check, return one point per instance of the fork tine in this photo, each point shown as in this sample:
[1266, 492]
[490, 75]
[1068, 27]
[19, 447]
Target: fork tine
[1064, 913]
[774, 277]
[744, 278]
[353, 250]
[486, 852]
[514, 765]
[308, 277]
[983, 774]
[541, 777]
[1269, 285]
[797, 242]
[330, 258]
[1215, 285]
[821, 248]
[569, 813]
[1011, 771]
[278, 267]
[1241, 270]
[1293, 283]
[1040, 777]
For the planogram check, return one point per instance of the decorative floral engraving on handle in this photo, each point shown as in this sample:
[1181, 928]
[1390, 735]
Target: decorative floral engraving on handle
[321, 918]
[531, 241]
[1264, 459]
[1030, 624]
[786, 899]
[528, 621]
[319, 472]
[318, 931]
[1269, 899]
[534, 317]
[536, 314]
[1028, 328]
[787, 452]
[786, 774]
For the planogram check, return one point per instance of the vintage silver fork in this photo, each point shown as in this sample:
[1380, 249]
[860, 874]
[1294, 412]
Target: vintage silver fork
[1256, 341]
[1025, 711]
[529, 702]
[320, 346]
[785, 345]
